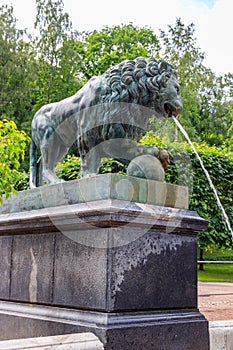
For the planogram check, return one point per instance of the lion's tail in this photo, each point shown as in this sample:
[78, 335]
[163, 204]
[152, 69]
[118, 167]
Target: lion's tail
[34, 165]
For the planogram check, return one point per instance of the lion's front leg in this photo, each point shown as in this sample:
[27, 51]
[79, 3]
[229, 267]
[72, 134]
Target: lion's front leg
[48, 172]
[90, 163]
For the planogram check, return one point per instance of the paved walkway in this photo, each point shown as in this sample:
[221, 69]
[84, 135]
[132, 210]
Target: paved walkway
[215, 300]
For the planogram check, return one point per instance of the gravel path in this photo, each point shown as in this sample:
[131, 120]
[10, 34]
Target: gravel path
[215, 300]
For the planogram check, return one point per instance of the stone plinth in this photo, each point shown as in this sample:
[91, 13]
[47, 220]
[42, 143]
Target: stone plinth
[121, 266]
[95, 188]
[87, 341]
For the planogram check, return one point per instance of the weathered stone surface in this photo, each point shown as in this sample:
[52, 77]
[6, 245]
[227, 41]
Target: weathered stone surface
[167, 335]
[105, 213]
[5, 266]
[15, 327]
[140, 282]
[80, 275]
[87, 341]
[101, 187]
[32, 268]
[128, 276]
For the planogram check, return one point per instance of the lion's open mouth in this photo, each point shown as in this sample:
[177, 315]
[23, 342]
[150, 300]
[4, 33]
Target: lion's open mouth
[171, 110]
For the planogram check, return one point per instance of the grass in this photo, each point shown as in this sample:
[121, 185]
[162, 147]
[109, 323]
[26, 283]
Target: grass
[215, 272]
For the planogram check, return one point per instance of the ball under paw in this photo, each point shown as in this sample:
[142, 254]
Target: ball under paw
[147, 167]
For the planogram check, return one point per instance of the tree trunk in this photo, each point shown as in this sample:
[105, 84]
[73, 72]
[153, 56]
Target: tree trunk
[201, 257]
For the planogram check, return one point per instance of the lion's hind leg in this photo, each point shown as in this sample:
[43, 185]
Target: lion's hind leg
[52, 151]
[33, 165]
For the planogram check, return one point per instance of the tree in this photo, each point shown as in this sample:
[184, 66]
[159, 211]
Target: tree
[16, 70]
[12, 148]
[207, 113]
[66, 59]
[111, 45]
[180, 49]
[57, 61]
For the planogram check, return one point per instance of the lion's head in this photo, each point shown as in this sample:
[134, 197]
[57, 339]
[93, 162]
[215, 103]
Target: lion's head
[148, 82]
[119, 103]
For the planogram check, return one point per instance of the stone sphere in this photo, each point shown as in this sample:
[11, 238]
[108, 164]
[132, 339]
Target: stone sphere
[147, 167]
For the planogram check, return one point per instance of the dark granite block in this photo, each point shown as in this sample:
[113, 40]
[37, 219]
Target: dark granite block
[148, 273]
[5, 266]
[181, 336]
[32, 268]
[156, 271]
[80, 275]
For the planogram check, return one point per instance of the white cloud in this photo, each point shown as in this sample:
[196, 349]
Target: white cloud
[25, 12]
[96, 14]
[214, 26]
[215, 36]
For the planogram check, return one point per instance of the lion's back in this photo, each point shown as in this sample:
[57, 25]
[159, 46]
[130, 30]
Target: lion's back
[69, 109]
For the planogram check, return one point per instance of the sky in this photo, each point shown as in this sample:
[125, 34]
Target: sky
[212, 19]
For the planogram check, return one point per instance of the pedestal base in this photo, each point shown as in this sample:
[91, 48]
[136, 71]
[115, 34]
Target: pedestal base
[123, 269]
[144, 330]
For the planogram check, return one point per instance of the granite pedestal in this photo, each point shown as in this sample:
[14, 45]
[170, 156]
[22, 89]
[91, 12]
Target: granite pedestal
[113, 255]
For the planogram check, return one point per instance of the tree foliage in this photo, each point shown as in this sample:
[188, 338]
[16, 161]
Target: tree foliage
[16, 70]
[12, 147]
[56, 55]
[207, 112]
[111, 45]
[185, 170]
[69, 168]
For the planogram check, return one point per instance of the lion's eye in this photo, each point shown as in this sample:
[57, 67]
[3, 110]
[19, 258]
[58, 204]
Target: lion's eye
[177, 88]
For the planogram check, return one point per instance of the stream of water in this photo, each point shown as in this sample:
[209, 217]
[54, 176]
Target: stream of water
[224, 215]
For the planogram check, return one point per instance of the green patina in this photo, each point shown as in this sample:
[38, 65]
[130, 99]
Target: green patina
[106, 118]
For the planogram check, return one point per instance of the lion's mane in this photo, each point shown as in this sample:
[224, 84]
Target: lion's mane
[122, 89]
[136, 81]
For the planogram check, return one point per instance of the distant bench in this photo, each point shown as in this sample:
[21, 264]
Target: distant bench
[214, 262]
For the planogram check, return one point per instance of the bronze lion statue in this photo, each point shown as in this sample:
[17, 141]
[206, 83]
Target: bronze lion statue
[106, 118]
